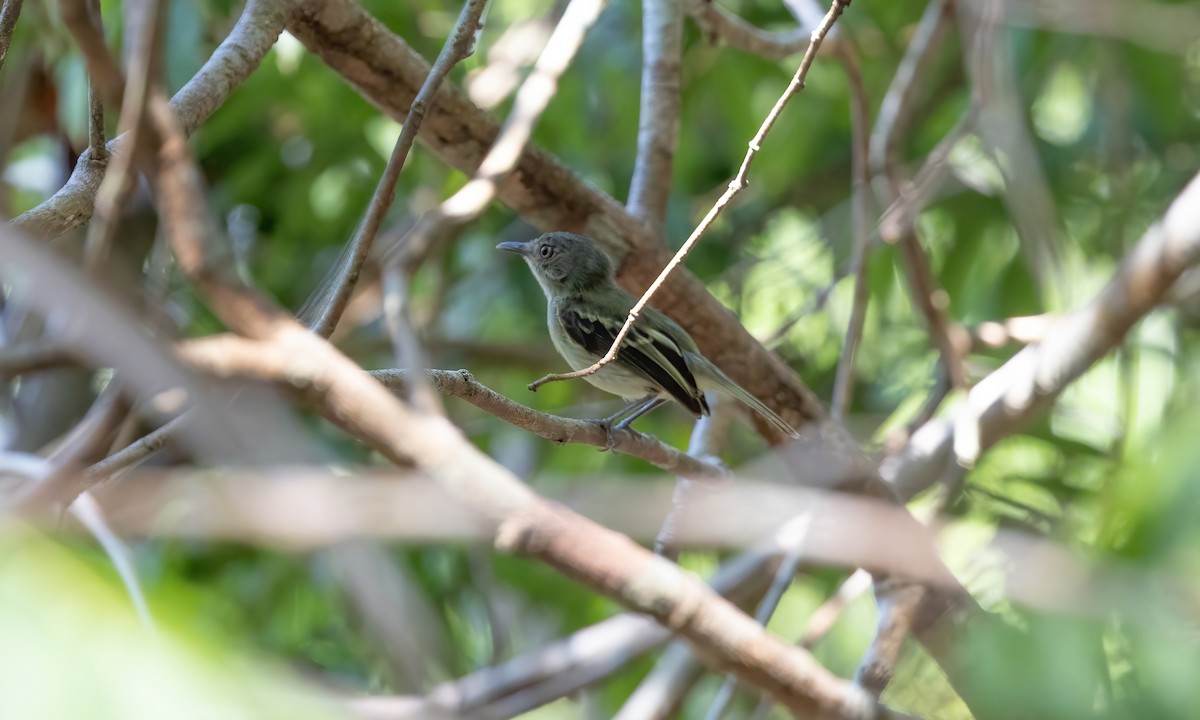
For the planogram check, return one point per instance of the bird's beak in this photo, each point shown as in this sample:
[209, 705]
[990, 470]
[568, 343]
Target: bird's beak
[519, 248]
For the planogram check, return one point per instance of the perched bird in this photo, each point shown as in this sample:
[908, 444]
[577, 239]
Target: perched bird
[658, 361]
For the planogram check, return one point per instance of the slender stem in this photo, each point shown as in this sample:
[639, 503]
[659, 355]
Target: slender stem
[843, 386]
[458, 46]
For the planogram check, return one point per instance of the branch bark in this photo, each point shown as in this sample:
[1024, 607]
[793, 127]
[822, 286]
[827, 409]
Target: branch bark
[387, 72]
[238, 56]
[658, 119]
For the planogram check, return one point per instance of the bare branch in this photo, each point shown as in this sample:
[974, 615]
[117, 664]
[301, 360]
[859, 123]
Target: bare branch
[8, 23]
[1029, 382]
[563, 430]
[136, 452]
[458, 46]
[32, 357]
[229, 356]
[145, 23]
[735, 186]
[238, 56]
[84, 24]
[658, 119]
[504, 154]
[899, 103]
[547, 193]
[708, 436]
[895, 114]
[517, 519]
[717, 23]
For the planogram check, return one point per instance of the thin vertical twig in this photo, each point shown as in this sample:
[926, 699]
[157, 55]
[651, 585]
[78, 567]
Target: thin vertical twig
[532, 98]
[736, 185]
[143, 25]
[658, 120]
[843, 385]
[458, 46]
[895, 114]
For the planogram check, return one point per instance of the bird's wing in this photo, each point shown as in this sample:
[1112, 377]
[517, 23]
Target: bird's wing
[654, 354]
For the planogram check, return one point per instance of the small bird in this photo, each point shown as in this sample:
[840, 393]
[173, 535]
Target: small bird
[657, 361]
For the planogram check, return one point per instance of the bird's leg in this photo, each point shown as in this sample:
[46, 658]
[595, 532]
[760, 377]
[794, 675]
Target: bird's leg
[634, 410]
[656, 402]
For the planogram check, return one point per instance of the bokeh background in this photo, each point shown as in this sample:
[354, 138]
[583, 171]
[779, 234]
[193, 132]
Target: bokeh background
[291, 160]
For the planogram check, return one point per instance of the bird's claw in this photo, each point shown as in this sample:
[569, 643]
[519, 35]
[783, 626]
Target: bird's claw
[609, 441]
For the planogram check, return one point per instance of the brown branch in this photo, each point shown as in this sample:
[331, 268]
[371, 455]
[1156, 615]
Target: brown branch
[458, 46]
[658, 119]
[913, 195]
[1004, 130]
[249, 41]
[519, 521]
[895, 114]
[8, 23]
[899, 102]
[135, 452]
[736, 185]
[569, 664]
[822, 621]
[144, 26]
[1028, 383]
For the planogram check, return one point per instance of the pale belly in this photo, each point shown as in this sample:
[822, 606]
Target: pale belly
[611, 378]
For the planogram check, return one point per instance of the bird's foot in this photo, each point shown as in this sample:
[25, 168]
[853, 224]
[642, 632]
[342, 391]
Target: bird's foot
[609, 440]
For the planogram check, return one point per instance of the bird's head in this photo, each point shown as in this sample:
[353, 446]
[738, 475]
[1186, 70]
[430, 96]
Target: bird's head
[563, 262]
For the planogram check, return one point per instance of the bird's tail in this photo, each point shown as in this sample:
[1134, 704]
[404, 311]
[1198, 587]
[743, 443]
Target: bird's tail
[712, 376]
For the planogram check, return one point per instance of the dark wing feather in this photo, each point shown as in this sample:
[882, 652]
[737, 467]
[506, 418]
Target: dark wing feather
[640, 350]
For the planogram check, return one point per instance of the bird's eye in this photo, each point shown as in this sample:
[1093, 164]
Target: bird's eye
[546, 251]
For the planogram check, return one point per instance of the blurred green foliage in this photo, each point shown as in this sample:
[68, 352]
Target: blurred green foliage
[291, 161]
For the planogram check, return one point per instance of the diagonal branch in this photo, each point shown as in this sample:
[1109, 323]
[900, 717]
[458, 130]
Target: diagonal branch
[547, 193]
[736, 185]
[459, 46]
[504, 154]
[521, 522]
